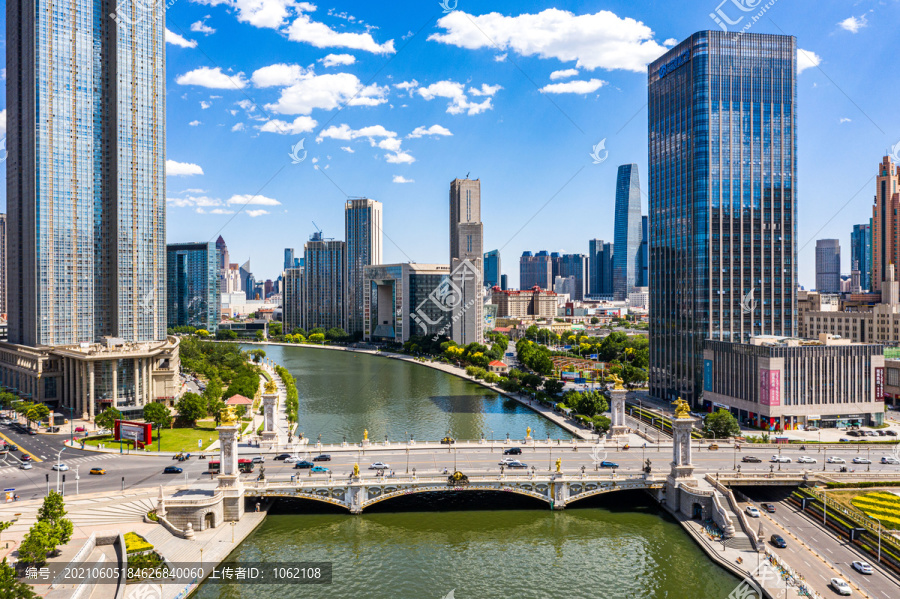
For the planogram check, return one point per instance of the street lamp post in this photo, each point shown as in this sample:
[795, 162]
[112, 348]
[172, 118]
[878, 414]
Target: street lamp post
[57, 467]
[879, 537]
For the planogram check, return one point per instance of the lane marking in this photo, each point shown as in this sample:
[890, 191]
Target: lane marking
[25, 451]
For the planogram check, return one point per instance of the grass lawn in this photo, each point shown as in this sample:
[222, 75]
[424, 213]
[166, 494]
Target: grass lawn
[176, 439]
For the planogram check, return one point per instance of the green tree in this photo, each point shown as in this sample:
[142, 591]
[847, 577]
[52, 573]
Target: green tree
[10, 586]
[203, 333]
[602, 423]
[191, 408]
[53, 511]
[157, 414]
[299, 331]
[317, 338]
[39, 541]
[257, 355]
[275, 328]
[260, 336]
[720, 425]
[553, 386]
[107, 418]
[37, 412]
[226, 334]
[594, 320]
[589, 403]
[213, 396]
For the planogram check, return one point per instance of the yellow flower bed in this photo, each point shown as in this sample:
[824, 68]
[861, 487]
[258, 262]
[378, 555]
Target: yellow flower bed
[135, 542]
[881, 505]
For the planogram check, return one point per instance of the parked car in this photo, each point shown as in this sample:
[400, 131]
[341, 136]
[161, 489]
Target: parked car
[513, 451]
[282, 456]
[862, 567]
[32, 432]
[60, 467]
[889, 459]
[890, 432]
[172, 470]
[805, 459]
[769, 507]
[859, 460]
[778, 541]
[840, 586]
[304, 464]
[752, 459]
[752, 511]
[780, 459]
[836, 460]
[812, 428]
[80, 429]
[97, 471]
[379, 466]
[319, 469]
[880, 433]
[608, 464]
[322, 458]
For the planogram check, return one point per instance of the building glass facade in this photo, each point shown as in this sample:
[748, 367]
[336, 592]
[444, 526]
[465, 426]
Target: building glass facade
[325, 283]
[362, 223]
[492, 268]
[828, 266]
[861, 254]
[192, 285]
[627, 235]
[723, 204]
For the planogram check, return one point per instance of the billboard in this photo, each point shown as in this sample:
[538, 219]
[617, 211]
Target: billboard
[569, 376]
[769, 387]
[707, 375]
[879, 383]
[139, 432]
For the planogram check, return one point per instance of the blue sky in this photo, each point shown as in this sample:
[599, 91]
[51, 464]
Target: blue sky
[394, 100]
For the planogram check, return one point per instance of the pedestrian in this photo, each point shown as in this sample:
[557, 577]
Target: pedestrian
[257, 506]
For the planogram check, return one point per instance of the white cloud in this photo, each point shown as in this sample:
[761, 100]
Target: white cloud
[844, 120]
[221, 211]
[255, 213]
[212, 78]
[301, 124]
[486, 90]
[277, 75]
[573, 87]
[600, 40]
[249, 200]
[854, 24]
[807, 59]
[344, 132]
[399, 158]
[408, 86]
[213, 2]
[194, 123]
[192, 201]
[337, 59]
[270, 14]
[455, 91]
[305, 30]
[177, 40]
[175, 169]
[433, 130]
[402, 179]
[563, 74]
[500, 57]
[348, 149]
[201, 27]
[327, 92]
[670, 42]
[204, 104]
[238, 127]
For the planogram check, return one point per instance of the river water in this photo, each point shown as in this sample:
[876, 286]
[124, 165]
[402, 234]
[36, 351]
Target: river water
[458, 546]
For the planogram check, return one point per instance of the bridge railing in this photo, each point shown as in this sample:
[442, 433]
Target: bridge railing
[634, 476]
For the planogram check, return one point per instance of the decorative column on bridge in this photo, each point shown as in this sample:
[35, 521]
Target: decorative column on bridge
[229, 480]
[682, 468]
[270, 399]
[617, 407]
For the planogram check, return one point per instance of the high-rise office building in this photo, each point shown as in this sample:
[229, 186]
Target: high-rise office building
[288, 258]
[192, 285]
[504, 285]
[885, 223]
[466, 255]
[325, 283]
[861, 254]
[536, 270]
[492, 268]
[363, 226]
[627, 235]
[248, 283]
[86, 136]
[223, 266]
[644, 270]
[292, 299]
[722, 157]
[3, 265]
[828, 266]
[600, 265]
[575, 266]
[400, 301]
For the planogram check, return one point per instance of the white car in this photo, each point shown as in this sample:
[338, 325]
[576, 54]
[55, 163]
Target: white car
[889, 459]
[25, 466]
[862, 567]
[291, 460]
[840, 585]
[780, 458]
[859, 460]
[805, 459]
[752, 511]
[379, 466]
[506, 461]
[836, 460]
[60, 467]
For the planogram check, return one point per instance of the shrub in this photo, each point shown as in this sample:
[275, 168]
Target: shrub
[135, 543]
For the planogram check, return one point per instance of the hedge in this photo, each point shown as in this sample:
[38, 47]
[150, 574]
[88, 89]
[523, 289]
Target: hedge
[135, 543]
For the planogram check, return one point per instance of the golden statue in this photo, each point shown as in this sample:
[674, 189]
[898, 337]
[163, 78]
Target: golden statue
[365, 434]
[616, 381]
[682, 408]
[227, 416]
[528, 433]
[271, 387]
[356, 470]
[558, 465]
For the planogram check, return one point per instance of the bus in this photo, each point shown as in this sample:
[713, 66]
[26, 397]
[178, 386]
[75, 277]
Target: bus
[245, 466]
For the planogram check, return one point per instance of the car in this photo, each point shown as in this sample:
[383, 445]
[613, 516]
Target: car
[778, 541]
[517, 464]
[448, 440]
[319, 469]
[854, 433]
[844, 440]
[303, 464]
[608, 464]
[291, 460]
[12, 447]
[812, 428]
[836, 460]
[282, 456]
[869, 433]
[32, 432]
[379, 466]
[769, 507]
[322, 458]
[26, 458]
[880, 433]
[258, 459]
[513, 451]
[840, 586]
[97, 471]
[506, 461]
[859, 460]
[862, 567]
[25, 466]
[713, 446]
[80, 429]
[60, 467]
[889, 459]
[890, 432]
[750, 458]
[752, 511]
[780, 459]
[805, 459]
[172, 470]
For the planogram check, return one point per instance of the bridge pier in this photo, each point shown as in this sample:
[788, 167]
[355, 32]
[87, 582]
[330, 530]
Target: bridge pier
[682, 471]
[617, 410]
[269, 436]
[229, 480]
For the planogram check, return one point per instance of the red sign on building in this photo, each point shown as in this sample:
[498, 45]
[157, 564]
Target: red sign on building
[879, 383]
[769, 387]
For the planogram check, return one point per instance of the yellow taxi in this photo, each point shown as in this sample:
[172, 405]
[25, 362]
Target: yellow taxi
[98, 471]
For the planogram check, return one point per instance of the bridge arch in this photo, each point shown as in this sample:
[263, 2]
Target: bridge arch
[419, 490]
[592, 490]
[313, 496]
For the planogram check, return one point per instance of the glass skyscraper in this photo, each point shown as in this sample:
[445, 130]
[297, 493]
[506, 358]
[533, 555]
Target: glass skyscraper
[861, 254]
[362, 224]
[722, 148]
[192, 285]
[627, 234]
[86, 137]
[492, 268]
[828, 266]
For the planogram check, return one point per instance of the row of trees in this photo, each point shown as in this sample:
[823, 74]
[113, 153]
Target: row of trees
[51, 531]
[33, 412]
[292, 399]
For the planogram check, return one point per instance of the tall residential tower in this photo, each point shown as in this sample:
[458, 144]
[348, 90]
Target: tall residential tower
[466, 254]
[362, 226]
